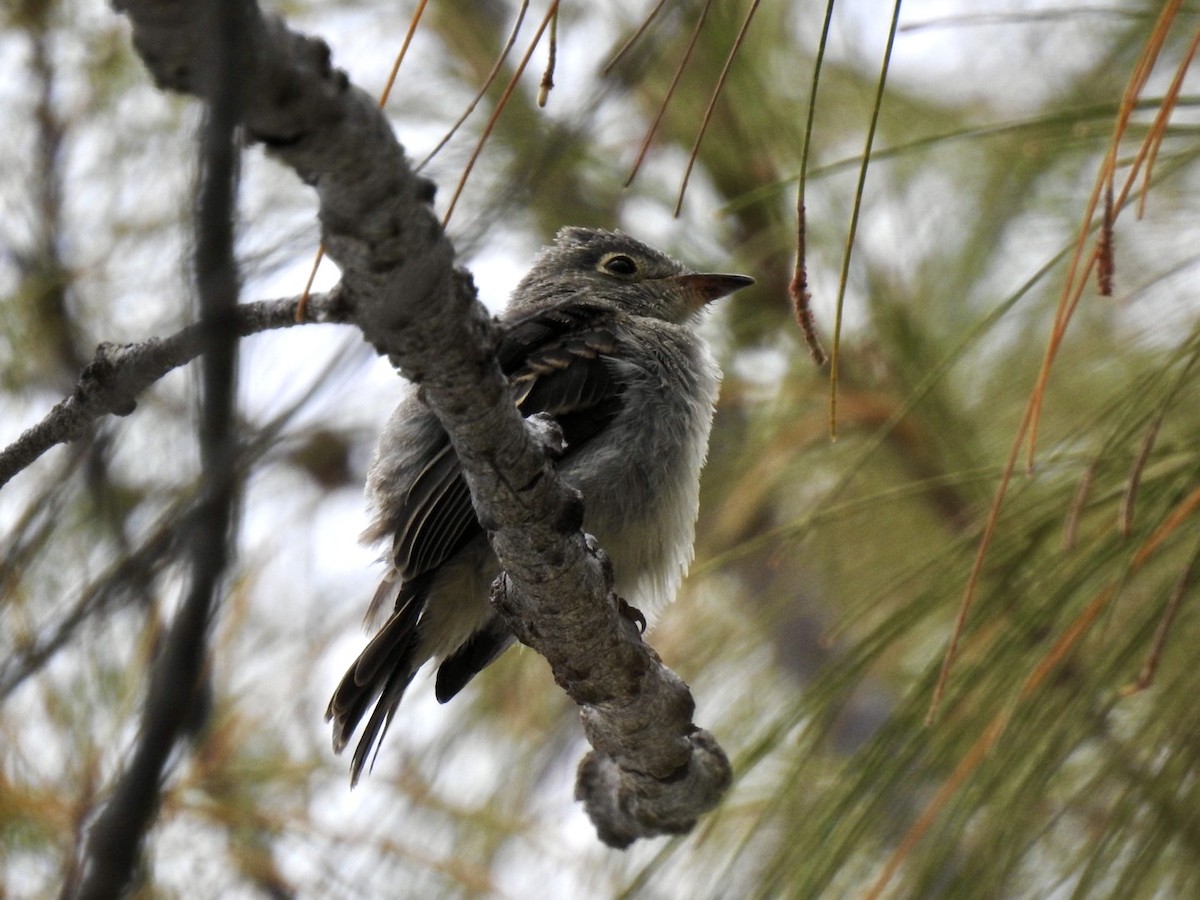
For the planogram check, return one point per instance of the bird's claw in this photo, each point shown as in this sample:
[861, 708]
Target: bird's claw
[632, 614]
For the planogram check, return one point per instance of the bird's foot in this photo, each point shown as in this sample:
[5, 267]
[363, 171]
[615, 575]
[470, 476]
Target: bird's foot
[632, 614]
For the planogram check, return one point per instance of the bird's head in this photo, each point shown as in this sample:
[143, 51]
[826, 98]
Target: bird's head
[587, 263]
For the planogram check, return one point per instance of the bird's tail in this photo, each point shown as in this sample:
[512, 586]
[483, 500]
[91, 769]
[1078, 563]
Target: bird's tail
[378, 678]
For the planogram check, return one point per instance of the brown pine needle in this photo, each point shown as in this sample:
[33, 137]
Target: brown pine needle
[1174, 602]
[1075, 511]
[1105, 259]
[712, 102]
[985, 542]
[302, 306]
[1078, 270]
[495, 116]
[662, 109]
[1046, 666]
[412, 29]
[487, 83]
[1186, 507]
[633, 38]
[1158, 129]
[1129, 498]
[547, 84]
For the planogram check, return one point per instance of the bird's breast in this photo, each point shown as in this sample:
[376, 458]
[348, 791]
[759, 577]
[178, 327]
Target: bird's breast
[641, 481]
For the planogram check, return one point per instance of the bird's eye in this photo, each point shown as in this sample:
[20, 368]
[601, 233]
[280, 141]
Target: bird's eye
[619, 264]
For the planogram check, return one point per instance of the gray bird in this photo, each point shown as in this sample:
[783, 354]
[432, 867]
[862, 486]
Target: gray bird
[601, 335]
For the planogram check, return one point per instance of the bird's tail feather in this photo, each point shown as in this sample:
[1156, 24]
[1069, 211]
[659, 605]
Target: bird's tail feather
[378, 678]
[479, 652]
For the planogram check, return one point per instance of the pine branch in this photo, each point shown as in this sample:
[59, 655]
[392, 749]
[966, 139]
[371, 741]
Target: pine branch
[118, 374]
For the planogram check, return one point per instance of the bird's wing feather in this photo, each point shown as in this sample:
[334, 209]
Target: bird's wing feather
[475, 655]
[436, 515]
[568, 372]
[380, 673]
[556, 362]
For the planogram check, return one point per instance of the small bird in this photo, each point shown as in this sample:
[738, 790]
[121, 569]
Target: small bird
[600, 335]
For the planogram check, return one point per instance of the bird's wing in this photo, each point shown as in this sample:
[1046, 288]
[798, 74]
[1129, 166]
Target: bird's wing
[437, 517]
[559, 362]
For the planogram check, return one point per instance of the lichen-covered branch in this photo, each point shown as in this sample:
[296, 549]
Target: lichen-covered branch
[118, 374]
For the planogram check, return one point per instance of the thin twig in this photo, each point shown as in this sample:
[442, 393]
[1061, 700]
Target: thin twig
[798, 289]
[118, 373]
[1174, 602]
[633, 38]
[1078, 501]
[854, 214]
[487, 83]
[491, 123]
[662, 108]
[547, 84]
[1129, 497]
[133, 574]
[115, 841]
[712, 102]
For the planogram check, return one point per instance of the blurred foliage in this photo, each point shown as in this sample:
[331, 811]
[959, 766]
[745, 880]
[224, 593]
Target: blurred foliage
[828, 574]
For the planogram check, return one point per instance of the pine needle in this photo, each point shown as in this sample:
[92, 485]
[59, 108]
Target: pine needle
[495, 116]
[662, 109]
[712, 102]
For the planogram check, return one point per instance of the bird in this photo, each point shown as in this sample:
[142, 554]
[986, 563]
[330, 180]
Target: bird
[601, 335]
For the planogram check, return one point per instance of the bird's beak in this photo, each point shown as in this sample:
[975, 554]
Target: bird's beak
[701, 289]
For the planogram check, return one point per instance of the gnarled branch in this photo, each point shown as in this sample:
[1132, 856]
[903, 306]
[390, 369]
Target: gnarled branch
[652, 771]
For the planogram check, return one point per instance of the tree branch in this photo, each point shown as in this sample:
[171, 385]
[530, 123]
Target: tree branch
[173, 699]
[652, 771]
[131, 578]
[118, 373]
